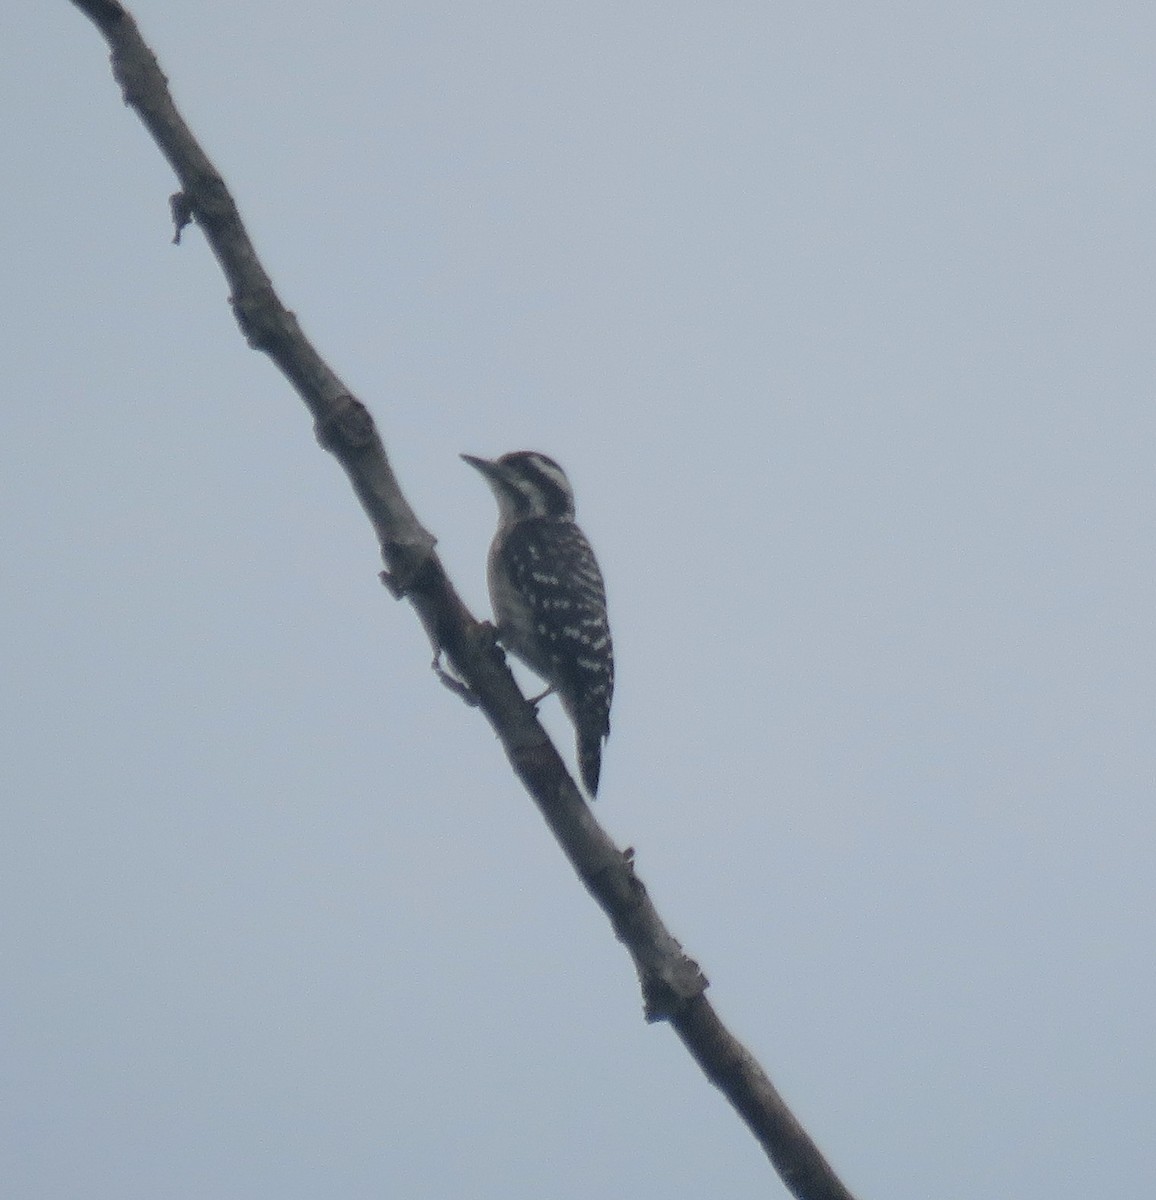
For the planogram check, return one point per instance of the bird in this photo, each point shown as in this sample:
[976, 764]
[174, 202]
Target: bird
[548, 596]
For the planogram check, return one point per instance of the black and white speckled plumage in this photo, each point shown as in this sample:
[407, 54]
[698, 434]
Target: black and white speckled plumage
[548, 596]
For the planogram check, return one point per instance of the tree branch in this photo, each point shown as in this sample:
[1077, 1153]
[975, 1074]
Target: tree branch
[672, 984]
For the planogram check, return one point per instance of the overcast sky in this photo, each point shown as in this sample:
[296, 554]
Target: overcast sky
[840, 317]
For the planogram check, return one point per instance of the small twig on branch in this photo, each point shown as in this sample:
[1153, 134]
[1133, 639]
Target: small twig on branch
[454, 684]
[673, 986]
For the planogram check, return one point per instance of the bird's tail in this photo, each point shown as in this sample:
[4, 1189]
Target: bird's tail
[590, 760]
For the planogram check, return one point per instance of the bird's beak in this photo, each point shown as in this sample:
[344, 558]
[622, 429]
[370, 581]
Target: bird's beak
[487, 468]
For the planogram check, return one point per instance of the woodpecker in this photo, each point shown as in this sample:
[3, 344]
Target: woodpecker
[547, 594]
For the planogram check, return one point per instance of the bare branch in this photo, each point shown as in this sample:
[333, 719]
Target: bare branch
[672, 984]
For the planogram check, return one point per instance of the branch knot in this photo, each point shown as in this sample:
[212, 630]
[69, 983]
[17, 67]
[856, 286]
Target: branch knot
[347, 426]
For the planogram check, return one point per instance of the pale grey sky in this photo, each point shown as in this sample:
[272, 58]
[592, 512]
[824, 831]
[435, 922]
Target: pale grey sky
[840, 318]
